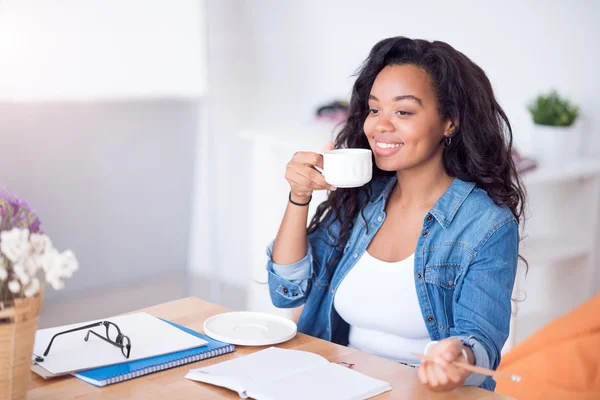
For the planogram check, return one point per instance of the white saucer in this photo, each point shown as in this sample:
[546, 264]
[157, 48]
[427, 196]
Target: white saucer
[246, 328]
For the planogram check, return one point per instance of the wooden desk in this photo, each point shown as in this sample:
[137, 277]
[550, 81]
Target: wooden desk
[171, 385]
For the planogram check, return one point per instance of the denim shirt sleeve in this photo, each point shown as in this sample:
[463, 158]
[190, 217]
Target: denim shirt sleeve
[288, 284]
[483, 309]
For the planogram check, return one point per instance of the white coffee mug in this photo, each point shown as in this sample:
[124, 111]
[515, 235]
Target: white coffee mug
[347, 168]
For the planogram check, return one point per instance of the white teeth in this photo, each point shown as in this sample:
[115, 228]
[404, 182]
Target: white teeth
[387, 145]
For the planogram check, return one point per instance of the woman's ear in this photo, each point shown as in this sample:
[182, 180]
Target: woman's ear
[449, 127]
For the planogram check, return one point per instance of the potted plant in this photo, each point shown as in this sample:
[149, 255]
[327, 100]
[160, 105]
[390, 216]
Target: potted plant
[27, 261]
[557, 136]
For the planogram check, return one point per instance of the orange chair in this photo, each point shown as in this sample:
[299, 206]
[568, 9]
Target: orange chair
[560, 361]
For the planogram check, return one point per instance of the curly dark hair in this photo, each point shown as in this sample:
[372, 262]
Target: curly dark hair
[481, 146]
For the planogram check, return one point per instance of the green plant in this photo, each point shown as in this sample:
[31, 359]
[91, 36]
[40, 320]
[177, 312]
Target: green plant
[553, 110]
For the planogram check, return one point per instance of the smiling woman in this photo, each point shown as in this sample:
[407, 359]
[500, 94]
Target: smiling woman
[423, 257]
[406, 122]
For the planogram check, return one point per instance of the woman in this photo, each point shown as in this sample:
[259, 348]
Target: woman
[424, 257]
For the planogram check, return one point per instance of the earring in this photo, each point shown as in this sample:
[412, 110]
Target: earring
[448, 140]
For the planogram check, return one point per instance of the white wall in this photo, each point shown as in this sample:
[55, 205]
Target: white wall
[99, 121]
[273, 62]
[221, 210]
[111, 181]
[101, 49]
[307, 50]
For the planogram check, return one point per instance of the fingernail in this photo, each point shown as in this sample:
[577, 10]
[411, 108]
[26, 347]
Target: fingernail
[333, 189]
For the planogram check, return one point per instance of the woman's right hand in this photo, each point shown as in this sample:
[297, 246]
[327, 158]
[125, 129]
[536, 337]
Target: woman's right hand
[302, 175]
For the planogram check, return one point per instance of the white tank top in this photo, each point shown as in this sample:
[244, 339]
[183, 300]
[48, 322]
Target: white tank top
[378, 300]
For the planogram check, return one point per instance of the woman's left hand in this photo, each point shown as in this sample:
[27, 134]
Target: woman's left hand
[442, 375]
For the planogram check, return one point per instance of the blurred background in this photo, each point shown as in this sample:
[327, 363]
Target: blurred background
[151, 135]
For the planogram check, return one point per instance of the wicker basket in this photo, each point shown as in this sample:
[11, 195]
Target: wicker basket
[18, 325]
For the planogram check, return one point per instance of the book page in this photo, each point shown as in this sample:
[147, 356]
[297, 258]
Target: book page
[329, 381]
[258, 368]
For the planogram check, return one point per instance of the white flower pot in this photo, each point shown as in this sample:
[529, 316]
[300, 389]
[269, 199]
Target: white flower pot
[557, 144]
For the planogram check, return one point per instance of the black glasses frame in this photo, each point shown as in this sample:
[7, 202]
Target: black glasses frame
[118, 342]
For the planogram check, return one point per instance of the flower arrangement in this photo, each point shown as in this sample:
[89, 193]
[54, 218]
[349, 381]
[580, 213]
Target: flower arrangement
[26, 252]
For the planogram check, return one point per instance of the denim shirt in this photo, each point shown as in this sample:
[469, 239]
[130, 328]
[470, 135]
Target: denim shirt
[465, 266]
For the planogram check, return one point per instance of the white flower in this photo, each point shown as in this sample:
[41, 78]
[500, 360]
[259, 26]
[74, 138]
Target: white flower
[33, 288]
[56, 283]
[15, 244]
[30, 253]
[40, 243]
[14, 286]
[32, 264]
[46, 260]
[60, 266]
[21, 274]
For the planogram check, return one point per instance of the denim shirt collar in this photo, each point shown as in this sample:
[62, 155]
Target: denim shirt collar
[444, 209]
[382, 188]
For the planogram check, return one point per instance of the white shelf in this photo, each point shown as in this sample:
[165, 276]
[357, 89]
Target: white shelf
[574, 170]
[543, 251]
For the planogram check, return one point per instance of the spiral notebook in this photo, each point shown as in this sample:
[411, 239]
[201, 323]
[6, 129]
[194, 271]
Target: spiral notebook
[121, 372]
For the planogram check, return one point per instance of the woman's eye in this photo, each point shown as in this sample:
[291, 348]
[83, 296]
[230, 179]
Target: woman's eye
[373, 111]
[403, 113]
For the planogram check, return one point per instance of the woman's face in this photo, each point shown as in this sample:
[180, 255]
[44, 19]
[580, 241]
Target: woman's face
[403, 127]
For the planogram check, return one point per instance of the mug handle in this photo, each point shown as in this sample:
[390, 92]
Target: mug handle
[318, 168]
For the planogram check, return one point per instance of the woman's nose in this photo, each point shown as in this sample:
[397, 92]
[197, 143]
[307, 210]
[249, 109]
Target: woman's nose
[384, 124]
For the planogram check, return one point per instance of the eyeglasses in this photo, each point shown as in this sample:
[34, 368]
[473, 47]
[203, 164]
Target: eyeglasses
[114, 336]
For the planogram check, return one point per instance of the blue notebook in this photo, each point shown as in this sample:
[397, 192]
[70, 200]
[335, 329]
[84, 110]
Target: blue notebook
[121, 372]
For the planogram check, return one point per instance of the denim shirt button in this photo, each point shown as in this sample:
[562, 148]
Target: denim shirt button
[355, 255]
[419, 276]
[430, 319]
[379, 218]
[425, 234]
[285, 291]
[429, 217]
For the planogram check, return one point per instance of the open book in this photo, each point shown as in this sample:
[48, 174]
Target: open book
[275, 373]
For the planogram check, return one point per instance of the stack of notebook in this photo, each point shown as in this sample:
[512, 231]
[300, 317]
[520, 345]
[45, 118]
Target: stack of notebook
[122, 372]
[110, 372]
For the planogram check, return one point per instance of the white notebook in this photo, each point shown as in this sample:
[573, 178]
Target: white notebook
[150, 337]
[275, 373]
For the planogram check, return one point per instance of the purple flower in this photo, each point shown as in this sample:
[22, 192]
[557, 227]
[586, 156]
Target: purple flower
[16, 213]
